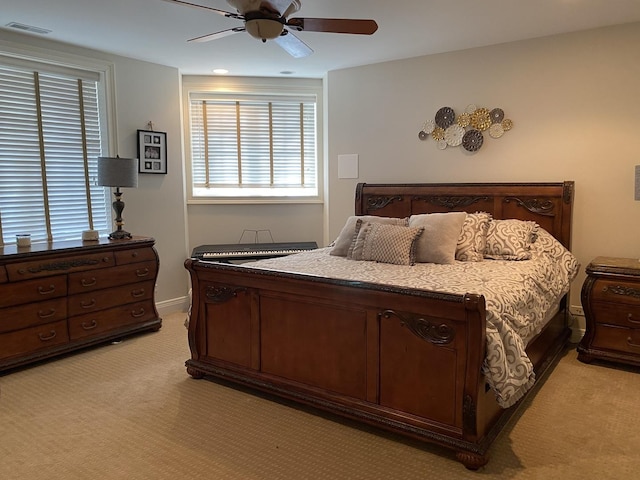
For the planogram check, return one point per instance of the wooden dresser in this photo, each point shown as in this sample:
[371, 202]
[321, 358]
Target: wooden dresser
[611, 302]
[62, 296]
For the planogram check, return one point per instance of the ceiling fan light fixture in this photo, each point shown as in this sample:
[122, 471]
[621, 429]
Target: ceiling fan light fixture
[264, 28]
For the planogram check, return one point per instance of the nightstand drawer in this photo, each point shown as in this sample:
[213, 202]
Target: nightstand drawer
[31, 339]
[617, 314]
[616, 291]
[618, 339]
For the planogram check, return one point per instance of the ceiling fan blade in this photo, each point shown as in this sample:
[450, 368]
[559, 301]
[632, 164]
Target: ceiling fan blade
[333, 25]
[219, 12]
[214, 36]
[293, 45]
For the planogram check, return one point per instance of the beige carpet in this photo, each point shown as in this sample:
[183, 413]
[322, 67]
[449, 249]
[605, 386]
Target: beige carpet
[130, 411]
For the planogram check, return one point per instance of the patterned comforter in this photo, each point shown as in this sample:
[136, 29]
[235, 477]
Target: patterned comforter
[521, 296]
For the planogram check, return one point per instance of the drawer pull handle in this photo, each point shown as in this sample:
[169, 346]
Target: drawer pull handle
[90, 304]
[134, 254]
[142, 272]
[106, 259]
[631, 320]
[88, 283]
[44, 338]
[89, 326]
[48, 314]
[631, 344]
[42, 291]
[137, 314]
[137, 293]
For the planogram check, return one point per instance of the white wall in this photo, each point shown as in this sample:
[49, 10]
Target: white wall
[144, 92]
[574, 102]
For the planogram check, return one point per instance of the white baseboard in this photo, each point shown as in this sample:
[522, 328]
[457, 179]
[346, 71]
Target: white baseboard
[166, 307]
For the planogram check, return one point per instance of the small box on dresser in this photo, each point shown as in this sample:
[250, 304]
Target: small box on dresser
[611, 301]
[62, 296]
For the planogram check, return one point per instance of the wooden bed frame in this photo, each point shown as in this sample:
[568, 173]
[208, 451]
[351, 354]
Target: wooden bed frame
[406, 360]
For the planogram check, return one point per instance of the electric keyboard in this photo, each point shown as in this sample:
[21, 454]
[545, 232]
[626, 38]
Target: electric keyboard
[249, 251]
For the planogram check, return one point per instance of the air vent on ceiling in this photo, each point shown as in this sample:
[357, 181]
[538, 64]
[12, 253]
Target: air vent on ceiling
[28, 28]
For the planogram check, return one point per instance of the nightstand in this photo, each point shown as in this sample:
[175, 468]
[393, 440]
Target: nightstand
[611, 301]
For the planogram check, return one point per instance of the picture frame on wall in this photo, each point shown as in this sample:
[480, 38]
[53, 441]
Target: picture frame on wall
[152, 151]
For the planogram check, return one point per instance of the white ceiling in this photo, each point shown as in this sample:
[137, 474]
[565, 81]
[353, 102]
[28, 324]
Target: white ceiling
[157, 31]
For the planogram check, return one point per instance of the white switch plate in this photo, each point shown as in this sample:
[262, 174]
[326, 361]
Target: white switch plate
[348, 166]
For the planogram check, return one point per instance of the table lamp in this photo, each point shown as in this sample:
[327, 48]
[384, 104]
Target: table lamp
[118, 172]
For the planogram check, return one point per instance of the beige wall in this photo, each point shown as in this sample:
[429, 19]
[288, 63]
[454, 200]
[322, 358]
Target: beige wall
[574, 102]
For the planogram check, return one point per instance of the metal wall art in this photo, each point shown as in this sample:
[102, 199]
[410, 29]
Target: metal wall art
[465, 129]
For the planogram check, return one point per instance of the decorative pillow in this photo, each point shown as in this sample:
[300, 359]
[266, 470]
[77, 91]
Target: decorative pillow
[510, 239]
[473, 237]
[440, 238]
[384, 243]
[342, 243]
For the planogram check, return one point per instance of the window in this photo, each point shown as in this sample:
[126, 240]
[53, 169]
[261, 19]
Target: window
[253, 146]
[50, 139]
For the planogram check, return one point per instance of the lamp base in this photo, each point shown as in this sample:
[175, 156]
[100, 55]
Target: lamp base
[119, 235]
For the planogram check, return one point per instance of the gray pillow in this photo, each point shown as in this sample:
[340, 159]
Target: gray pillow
[440, 238]
[384, 243]
[343, 242]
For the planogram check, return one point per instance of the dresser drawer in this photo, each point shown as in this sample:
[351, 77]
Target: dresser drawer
[112, 319]
[23, 316]
[135, 255]
[32, 339]
[110, 297]
[618, 339]
[46, 267]
[35, 290]
[616, 291]
[620, 314]
[112, 277]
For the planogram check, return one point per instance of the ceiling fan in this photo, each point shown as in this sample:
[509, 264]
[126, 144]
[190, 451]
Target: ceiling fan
[268, 20]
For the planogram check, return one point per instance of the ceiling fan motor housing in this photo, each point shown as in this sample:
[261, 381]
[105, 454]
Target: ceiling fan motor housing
[263, 27]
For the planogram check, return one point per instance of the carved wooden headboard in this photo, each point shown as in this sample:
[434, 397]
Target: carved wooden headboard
[548, 204]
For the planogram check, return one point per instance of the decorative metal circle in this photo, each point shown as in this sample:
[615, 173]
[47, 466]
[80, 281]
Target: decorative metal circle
[422, 135]
[442, 144]
[445, 117]
[453, 135]
[470, 108]
[507, 124]
[428, 126]
[496, 130]
[497, 115]
[438, 133]
[472, 140]
[480, 119]
[464, 119]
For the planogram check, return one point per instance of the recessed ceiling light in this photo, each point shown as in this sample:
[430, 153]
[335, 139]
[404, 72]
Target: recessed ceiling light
[221, 71]
[287, 72]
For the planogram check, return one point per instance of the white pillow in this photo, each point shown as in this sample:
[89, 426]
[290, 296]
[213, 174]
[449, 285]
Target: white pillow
[438, 242]
[343, 242]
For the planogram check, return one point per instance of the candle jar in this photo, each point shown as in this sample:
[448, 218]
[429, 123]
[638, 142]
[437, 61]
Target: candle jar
[23, 240]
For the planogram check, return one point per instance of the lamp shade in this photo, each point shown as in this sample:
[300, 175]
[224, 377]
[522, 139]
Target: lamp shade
[117, 172]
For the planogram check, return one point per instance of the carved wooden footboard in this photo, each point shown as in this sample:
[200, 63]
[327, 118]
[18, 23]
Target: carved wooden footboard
[405, 360]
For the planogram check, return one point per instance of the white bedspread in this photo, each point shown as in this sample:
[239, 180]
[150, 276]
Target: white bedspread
[519, 295]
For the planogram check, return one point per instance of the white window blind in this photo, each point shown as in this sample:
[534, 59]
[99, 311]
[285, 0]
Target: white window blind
[253, 146]
[50, 140]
